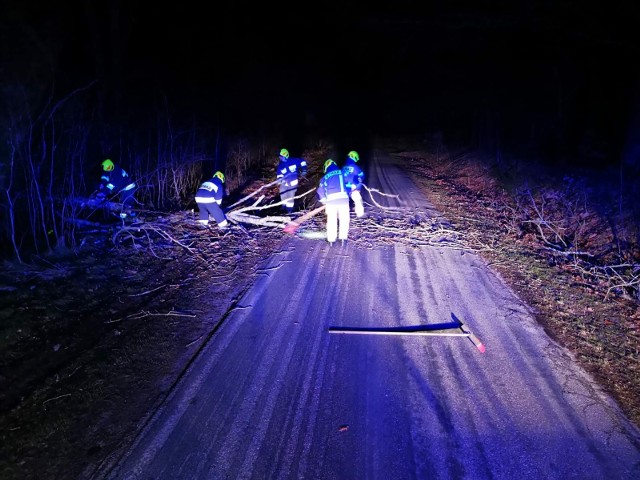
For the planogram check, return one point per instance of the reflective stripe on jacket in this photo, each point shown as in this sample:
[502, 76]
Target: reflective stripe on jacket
[117, 180]
[332, 188]
[301, 164]
[287, 170]
[353, 174]
[210, 191]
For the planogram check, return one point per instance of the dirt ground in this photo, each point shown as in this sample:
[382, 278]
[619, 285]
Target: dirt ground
[92, 340]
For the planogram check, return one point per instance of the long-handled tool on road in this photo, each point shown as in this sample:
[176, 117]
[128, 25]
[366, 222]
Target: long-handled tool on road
[439, 329]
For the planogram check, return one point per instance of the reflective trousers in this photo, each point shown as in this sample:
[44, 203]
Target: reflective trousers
[337, 216]
[356, 196]
[288, 198]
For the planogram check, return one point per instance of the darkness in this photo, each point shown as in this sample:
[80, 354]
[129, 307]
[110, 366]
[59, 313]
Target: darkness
[552, 77]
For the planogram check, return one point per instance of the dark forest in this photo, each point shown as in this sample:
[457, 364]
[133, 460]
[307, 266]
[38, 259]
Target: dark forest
[174, 90]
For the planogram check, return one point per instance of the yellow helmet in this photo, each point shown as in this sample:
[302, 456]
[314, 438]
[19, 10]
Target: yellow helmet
[107, 165]
[328, 163]
[284, 153]
[353, 155]
[220, 175]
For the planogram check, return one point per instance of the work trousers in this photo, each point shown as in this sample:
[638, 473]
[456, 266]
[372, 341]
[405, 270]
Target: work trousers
[211, 209]
[288, 198]
[337, 216]
[356, 196]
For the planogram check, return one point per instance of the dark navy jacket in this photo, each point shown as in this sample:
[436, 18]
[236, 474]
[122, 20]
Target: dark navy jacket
[210, 191]
[353, 174]
[117, 180]
[332, 188]
[301, 163]
[288, 170]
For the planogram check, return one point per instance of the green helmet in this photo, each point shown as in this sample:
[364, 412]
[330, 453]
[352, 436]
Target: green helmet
[284, 153]
[353, 155]
[220, 175]
[327, 164]
[107, 165]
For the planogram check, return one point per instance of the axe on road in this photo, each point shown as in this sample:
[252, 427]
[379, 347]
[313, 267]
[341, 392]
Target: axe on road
[295, 224]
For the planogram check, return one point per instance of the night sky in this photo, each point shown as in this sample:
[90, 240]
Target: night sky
[560, 74]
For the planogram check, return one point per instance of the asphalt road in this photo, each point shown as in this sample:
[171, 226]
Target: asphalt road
[279, 394]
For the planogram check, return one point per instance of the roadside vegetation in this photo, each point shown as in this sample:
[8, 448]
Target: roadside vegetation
[567, 241]
[94, 333]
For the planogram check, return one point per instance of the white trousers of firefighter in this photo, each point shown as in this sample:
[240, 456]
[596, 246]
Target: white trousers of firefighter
[337, 215]
[356, 196]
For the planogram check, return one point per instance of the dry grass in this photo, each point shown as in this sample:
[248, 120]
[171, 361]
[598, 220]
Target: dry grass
[580, 310]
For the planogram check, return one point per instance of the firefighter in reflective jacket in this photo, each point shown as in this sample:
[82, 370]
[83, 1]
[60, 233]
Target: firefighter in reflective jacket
[209, 198]
[354, 177]
[287, 172]
[332, 192]
[115, 181]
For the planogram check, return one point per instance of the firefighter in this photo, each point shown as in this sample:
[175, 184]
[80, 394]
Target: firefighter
[287, 172]
[354, 177]
[209, 198]
[115, 181]
[332, 192]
